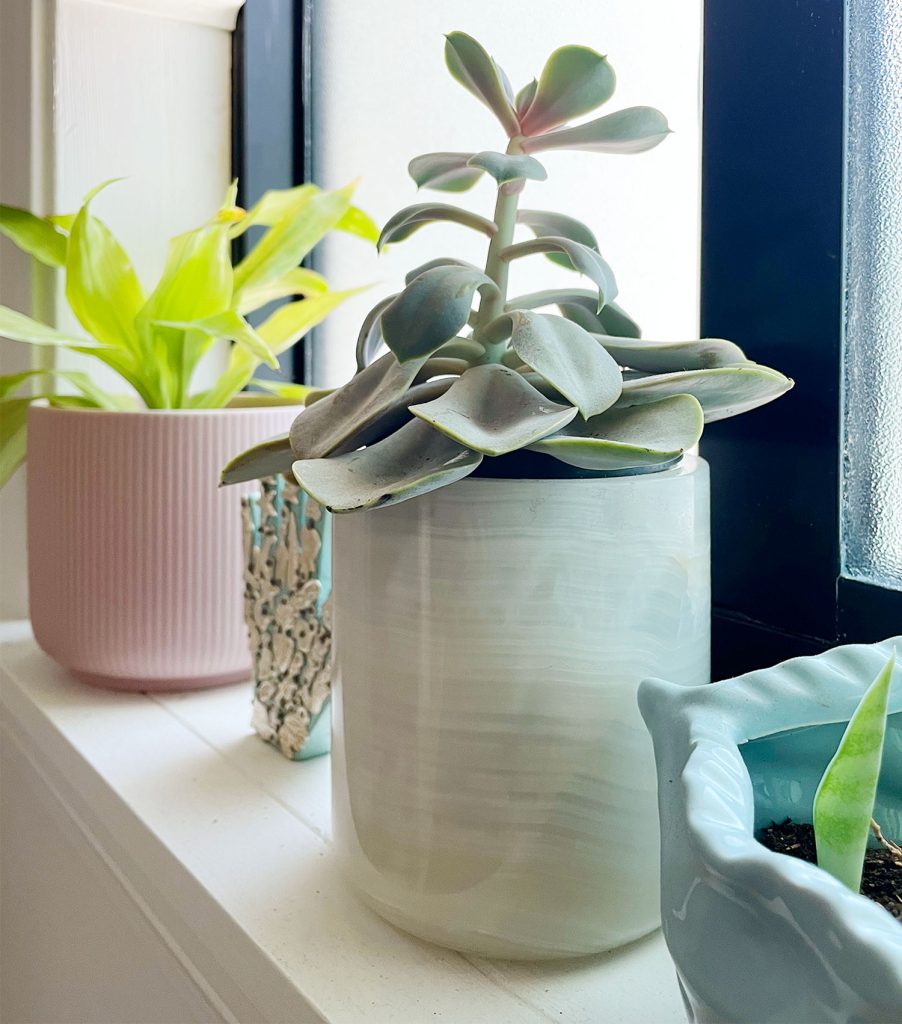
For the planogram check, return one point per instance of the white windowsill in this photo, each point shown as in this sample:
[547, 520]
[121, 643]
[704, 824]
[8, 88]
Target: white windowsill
[223, 846]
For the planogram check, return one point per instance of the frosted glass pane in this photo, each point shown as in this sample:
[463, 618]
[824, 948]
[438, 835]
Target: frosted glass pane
[381, 95]
[872, 443]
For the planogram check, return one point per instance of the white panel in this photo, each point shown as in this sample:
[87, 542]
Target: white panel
[381, 95]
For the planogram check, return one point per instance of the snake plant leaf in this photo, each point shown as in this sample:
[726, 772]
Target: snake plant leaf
[469, 63]
[403, 224]
[279, 331]
[844, 801]
[290, 239]
[492, 409]
[431, 310]
[567, 357]
[34, 235]
[370, 339]
[440, 261]
[444, 172]
[574, 81]
[228, 325]
[585, 260]
[547, 222]
[102, 287]
[723, 392]
[671, 356]
[633, 130]
[325, 426]
[359, 223]
[525, 97]
[410, 462]
[650, 436]
[297, 281]
[505, 167]
[18, 327]
[265, 459]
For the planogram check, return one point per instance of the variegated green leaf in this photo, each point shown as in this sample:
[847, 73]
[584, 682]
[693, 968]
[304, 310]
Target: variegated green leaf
[13, 443]
[326, 426]
[444, 172]
[503, 167]
[297, 281]
[431, 310]
[585, 260]
[475, 70]
[34, 235]
[275, 205]
[671, 356]
[723, 392]
[493, 410]
[410, 462]
[633, 130]
[546, 222]
[649, 436]
[564, 354]
[574, 81]
[265, 459]
[18, 327]
[358, 223]
[289, 392]
[403, 224]
[844, 802]
[229, 325]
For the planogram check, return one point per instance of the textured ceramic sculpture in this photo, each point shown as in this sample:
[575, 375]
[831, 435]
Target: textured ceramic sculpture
[286, 607]
[493, 784]
[758, 937]
[134, 556]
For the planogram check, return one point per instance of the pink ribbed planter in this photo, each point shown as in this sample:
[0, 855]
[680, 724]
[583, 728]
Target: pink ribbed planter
[135, 562]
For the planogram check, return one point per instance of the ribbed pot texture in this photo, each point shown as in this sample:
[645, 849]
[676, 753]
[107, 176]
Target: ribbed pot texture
[135, 561]
[493, 783]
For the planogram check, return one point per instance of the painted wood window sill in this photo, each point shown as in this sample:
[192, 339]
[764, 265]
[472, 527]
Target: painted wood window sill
[224, 849]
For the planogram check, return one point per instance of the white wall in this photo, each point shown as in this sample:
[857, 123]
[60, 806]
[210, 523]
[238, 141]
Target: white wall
[382, 95]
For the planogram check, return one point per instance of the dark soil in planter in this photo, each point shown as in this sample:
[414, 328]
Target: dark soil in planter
[882, 877]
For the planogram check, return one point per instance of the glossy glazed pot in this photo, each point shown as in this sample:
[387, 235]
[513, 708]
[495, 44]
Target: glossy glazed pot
[758, 937]
[493, 785]
[135, 564]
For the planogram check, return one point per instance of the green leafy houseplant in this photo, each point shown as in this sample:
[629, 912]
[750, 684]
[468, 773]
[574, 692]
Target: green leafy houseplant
[844, 802]
[155, 341]
[571, 391]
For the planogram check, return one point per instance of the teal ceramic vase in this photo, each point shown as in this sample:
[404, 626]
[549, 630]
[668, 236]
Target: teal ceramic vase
[759, 937]
[287, 585]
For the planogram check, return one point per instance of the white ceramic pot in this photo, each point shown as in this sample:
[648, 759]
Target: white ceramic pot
[493, 785]
[135, 561]
[758, 937]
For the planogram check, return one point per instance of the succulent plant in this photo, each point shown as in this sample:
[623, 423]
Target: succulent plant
[573, 391]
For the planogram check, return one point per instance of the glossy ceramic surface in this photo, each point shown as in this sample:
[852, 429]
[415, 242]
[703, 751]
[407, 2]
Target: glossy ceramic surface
[758, 937]
[135, 567]
[493, 784]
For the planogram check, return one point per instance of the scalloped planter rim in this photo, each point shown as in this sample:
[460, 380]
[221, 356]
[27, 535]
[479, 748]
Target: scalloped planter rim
[758, 937]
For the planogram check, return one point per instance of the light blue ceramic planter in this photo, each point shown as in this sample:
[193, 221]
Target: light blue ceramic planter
[758, 937]
[288, 581]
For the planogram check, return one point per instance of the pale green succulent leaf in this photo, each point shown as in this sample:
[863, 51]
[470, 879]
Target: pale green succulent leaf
[844, 801]
[469, 63]
[324, 427]
[647, 436]
[672, 356]
[34, 235]
[547, 222]
[297, 281]
[370, 339]
[723, 392]
[431, 310]
[412, 461]
[613, 320]
[574, 81]
[403, 224]
[102, 287]
[525, 97]
[584, 259]
[440, 261]
[567, 357]
[290, 239]
[265, 459]
[492, 409]
[633, 130]
[504, 167]
[462, 348]
[444, 172]
[18, 327]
